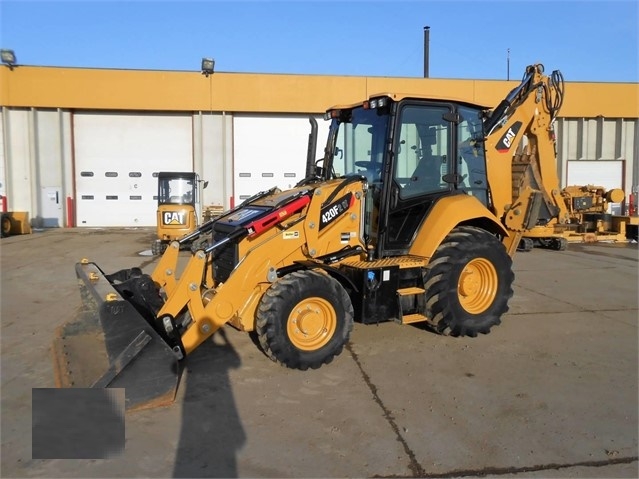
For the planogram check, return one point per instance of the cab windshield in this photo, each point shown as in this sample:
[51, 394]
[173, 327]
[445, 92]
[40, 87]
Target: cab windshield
[176, 191]
[357, 142]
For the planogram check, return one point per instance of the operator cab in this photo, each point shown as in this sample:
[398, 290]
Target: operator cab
[412, 152]
[177, 188]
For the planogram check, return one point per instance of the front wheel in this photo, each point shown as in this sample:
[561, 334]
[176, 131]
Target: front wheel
[468, 282]
[304, 320]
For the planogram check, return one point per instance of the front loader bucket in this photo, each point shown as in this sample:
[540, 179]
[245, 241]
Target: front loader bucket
[112, 345]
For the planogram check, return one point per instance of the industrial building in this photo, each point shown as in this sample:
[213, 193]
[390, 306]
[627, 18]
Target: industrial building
[82, 147]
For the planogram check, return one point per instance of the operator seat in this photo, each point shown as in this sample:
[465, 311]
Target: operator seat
[426, 177]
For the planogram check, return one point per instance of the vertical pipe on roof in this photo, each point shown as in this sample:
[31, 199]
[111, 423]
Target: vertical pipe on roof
[426, 51]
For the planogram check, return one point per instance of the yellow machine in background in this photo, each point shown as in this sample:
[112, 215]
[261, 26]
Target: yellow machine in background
[413, 215]
[583, 218]
[14, 223]
[179, 207]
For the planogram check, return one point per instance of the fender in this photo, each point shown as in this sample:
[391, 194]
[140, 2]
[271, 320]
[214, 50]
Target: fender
[445, 215]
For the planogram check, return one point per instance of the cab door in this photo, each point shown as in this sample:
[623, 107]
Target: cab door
[422, 145]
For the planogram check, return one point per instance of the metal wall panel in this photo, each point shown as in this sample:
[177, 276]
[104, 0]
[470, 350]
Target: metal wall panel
[18, 173]
[213, 155]
[48, 169]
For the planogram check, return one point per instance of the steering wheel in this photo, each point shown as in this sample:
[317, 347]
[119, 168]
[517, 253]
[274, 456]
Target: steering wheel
[369, 165]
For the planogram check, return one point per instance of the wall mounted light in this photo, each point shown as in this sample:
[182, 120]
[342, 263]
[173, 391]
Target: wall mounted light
[208, 65]
[8, 57]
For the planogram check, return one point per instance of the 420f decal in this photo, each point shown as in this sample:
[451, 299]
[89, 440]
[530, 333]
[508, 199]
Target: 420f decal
[336, 209]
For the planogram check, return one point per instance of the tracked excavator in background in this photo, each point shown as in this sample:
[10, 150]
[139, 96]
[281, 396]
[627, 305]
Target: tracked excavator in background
[412, 215]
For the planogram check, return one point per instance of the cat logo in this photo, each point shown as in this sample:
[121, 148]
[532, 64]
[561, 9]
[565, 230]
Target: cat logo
[506, 141]
[174, 218]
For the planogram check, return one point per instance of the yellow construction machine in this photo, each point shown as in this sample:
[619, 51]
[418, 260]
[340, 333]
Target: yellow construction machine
[584, 218]
[412, 215]
[179, 208]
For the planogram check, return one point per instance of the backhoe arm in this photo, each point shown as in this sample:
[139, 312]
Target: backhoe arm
[521, 153]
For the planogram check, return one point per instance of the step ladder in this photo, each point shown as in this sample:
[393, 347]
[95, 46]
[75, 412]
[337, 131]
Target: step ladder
[411, 317]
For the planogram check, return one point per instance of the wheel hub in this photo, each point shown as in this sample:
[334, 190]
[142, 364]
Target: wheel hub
[477, 286]
[311, 324]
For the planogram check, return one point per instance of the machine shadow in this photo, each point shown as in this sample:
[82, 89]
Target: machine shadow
[211, 432]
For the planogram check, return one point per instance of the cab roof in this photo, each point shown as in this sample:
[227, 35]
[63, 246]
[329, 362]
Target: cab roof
[397, 96]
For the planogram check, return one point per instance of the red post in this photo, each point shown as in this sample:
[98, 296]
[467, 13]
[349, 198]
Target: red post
[70, 213]
[232, 202]
[4, 203]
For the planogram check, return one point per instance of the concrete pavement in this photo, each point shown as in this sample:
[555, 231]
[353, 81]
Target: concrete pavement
[552, 392]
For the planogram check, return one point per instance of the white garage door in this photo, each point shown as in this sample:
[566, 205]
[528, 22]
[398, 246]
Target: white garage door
[117, 157]
[270, 150]
[606, 173]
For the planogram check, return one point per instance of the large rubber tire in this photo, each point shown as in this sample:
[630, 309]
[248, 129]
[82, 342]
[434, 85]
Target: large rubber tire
[5, 225]
[304, 320]
[468, 283]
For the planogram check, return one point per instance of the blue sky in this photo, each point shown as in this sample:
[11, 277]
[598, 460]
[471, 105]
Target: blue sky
[586, 40]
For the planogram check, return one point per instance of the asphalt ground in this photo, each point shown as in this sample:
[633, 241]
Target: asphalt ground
[551, 392]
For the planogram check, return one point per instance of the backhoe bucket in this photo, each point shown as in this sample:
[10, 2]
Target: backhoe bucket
[112, 345]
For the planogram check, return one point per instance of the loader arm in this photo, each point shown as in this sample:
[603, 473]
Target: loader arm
[520, 150]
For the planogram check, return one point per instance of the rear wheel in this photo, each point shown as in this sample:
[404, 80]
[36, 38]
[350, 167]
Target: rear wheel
[304, 320]
[5, 226]
[468, 283]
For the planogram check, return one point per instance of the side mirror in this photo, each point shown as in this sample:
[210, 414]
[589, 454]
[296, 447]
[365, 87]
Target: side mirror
[206, 183]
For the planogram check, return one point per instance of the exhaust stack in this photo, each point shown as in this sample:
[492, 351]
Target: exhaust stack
[426, 50]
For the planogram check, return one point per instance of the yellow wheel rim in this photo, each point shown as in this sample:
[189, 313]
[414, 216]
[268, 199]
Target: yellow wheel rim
[311, 324]
[477, 286]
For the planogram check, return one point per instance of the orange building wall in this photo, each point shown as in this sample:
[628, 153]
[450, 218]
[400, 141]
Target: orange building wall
[102, 89]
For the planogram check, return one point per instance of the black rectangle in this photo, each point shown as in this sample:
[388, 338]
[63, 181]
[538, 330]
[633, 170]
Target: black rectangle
[135, 197]
[376, 299]
[77, 423]
[112, 197]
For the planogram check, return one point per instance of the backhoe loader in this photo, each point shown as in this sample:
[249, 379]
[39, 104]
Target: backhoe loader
[412, 215]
